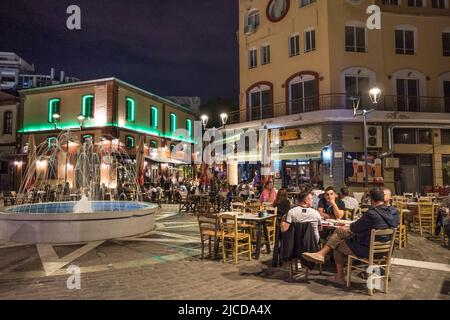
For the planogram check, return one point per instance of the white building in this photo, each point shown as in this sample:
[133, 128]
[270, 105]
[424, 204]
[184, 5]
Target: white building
[16, 73]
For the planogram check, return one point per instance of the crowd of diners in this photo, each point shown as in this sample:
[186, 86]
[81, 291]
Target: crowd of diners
[344, 240]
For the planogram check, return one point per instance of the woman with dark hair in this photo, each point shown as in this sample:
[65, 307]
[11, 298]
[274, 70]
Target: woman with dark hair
[283, 206]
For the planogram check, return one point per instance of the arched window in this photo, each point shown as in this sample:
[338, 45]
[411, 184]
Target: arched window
[252, 21]
[410, 86]
[356, 83]
[444, 91]
[88, 106]
[53, 108]
[130, 110]
[302, 91]
[52, 142]
[88, 138]
[154, 145]
[154, 117]
[260, 101]
[8, 122]
[129, 142]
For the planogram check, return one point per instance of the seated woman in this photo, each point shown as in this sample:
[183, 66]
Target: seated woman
[355, 240]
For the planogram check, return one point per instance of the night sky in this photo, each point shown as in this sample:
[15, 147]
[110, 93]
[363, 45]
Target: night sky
[169, 47]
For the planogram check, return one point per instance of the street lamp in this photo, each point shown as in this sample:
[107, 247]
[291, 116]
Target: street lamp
[205, 120]
[374, 94]
[81, 119]
[56, 117]
[224, 118]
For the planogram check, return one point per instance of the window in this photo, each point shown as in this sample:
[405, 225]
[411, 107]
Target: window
[446, 43]
[130, 109]
[355, 39]
[154, 145]
[415, 3]
[4, 167]
[173, 122]
[390, 2]
[445, 136]
[154, 117]
[52, 142]
[304, 3]
[252, 59]
[303, 94]
[424, 136]
[265, 54]
[357, 87]
[310, 40]
[446, 169]
[7, 122]
[189, 127]
[439, 4]
[412, 136]
[129, 142]
[260, 102]
[252, 21]
[408, 96]
[88, 106]
[405, 41]
[294, 45]
[88, 139]
[53, 107]
[447, 96]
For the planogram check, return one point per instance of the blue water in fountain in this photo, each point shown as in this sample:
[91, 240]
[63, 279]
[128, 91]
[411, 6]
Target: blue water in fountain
[68, 207]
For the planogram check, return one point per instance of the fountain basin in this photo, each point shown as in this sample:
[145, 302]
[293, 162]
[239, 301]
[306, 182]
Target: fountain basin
[55, 223]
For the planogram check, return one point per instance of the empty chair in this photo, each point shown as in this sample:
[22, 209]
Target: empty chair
[209, 231]
[402, 234]
[237, 207]
[232, 239]
[426, 217]
[379, 261]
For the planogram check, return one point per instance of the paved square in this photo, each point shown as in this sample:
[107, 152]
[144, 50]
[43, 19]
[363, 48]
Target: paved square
[168, 266]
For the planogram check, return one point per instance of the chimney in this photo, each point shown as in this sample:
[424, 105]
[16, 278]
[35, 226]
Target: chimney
[63, 75]
[52, 73]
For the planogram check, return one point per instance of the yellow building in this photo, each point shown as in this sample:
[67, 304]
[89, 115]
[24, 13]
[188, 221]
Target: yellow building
[303, 63]
[113, 112]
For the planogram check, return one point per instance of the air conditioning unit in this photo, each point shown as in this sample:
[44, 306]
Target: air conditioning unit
[375, 137]
[391, 163]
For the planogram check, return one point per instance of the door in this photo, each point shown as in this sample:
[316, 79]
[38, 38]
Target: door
[447, 96]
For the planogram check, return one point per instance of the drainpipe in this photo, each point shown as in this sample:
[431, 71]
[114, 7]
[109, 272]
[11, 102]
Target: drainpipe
[406, 126]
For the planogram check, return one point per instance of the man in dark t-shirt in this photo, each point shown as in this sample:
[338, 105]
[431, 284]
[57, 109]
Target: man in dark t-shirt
[330, 207]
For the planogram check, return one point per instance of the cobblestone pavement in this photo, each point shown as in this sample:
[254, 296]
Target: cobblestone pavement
[168, 267]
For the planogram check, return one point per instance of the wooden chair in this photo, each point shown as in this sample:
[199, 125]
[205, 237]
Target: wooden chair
[234, 239]
[272, 225]
[426, 217]
[237, 207]
[425, 199]
[433, 195]
[374, 263]
[402, 233]
[408, 195]
[253, 207]
[209, 231]
[185, 202]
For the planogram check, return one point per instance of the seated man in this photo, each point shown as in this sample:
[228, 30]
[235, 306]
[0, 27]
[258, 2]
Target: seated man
[355, 240]
[330, 207]
[389, 203]
[303, 213]
[350, 202]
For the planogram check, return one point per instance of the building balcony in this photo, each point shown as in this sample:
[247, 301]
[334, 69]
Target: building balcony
[388, 103]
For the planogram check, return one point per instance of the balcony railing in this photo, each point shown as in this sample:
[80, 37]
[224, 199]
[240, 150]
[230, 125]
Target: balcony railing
[391, 103]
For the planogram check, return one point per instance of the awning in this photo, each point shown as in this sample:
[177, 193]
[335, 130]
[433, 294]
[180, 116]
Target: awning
[168, 161]
[302, 152]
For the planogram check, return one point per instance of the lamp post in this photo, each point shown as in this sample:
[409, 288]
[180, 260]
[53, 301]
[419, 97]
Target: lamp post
[56, 117]
[224, 118]
[81, 120]
[374, 94]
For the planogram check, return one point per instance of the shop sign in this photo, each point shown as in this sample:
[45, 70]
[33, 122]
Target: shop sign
[290, 134]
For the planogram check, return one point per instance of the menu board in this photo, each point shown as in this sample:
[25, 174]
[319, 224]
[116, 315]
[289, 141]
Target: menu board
[355, 165]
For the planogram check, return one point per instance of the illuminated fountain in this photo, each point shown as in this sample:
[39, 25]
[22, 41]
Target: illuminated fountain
[42, 215]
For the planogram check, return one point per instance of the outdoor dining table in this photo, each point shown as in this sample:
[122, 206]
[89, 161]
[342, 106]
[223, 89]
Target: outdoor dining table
[261, 223]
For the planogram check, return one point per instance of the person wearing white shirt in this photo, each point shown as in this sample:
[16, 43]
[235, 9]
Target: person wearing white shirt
[302, 214]
[350, 202]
